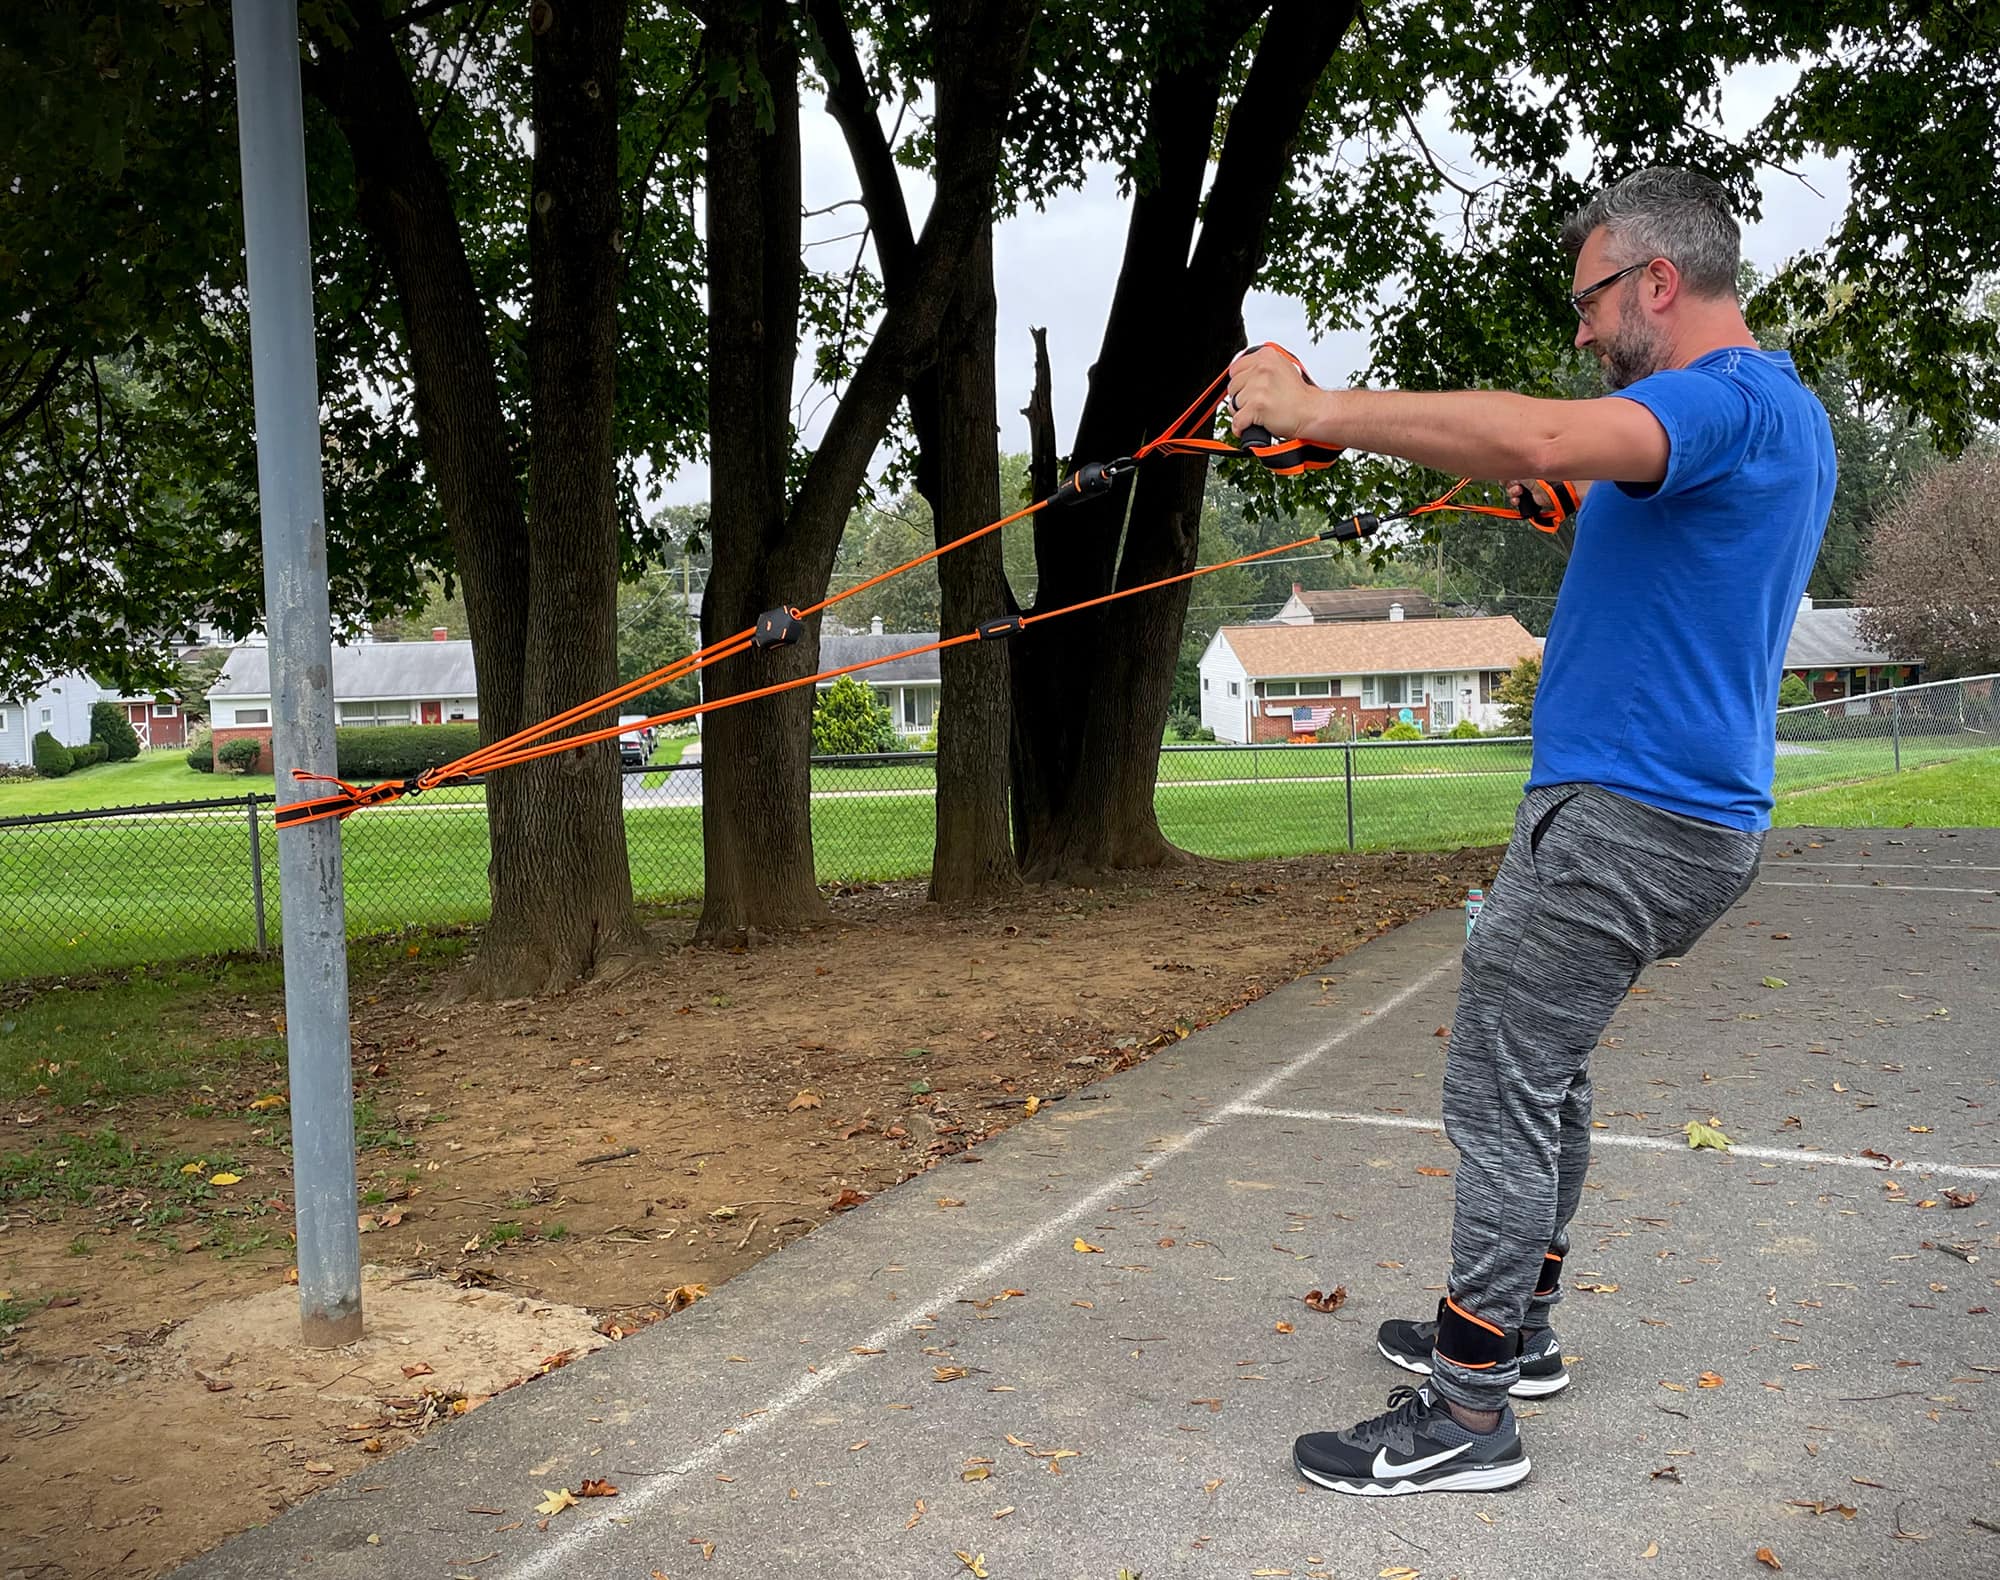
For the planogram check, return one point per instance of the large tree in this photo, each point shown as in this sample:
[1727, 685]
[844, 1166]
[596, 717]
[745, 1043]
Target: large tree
[1931, 590]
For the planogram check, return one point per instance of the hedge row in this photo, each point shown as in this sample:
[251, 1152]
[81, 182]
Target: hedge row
[53, 759]
[395, 751]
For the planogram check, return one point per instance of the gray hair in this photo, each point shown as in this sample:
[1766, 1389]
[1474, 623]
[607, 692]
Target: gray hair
[1665, 213]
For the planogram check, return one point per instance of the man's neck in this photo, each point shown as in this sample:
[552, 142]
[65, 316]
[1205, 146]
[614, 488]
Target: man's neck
[1714, 330]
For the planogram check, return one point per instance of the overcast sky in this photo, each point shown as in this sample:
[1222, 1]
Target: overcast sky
[1057, 267]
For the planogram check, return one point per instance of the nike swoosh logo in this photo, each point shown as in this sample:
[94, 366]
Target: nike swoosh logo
[1385, 1467]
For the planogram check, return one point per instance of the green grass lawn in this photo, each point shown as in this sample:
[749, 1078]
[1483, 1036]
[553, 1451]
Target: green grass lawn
[151, 776]
[118, 891]
[1964, 793]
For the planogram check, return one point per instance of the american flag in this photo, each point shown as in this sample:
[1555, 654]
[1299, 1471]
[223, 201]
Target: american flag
[1306, 720]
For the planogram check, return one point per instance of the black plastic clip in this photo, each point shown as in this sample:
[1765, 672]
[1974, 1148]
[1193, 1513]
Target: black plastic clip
[1006, 625]
[779, 627]
[1362, 525]
[1093, 477]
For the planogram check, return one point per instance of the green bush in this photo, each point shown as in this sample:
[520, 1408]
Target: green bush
[88, 755]
[1793, 692]
[398, 751]
[1516, 696]
[1400, 731]
[849, 719]
[1182, 724]
[241, 754]
[1463, 730]
[109, 725]
[52, 758]
[1335, 729]
[929, 743]
[201, 756]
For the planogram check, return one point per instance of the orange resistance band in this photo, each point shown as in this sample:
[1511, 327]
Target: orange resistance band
[1287, 457]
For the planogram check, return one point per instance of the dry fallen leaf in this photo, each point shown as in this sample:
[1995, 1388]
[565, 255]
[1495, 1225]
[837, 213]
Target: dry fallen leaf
[1959, 1198]
[976, 1564]
[1700, 1135]
[274, 1100]
[976, 1473]
[1709, 1380]
[803, 1100]
[225, 1179]
[555, 1500]
[949, 1201]
[849, 1199]
[1767, 1558]
[1598, 1289]
[911, 1523]
[1282, 1327]
[1436, 1174]
[1033, 1103]
[949, 1373]
[1329, 1300]
[319, 1467]
[596, 1489]
[1083, 1247]
[420, 1369]
[1652, 1550]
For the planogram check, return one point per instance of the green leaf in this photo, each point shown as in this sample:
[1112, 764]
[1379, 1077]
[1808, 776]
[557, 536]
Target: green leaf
[1701, 1135]
[920, 1087]
[1776, 982]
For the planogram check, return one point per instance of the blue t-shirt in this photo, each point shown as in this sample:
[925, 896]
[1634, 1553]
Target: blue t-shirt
[1660, 674]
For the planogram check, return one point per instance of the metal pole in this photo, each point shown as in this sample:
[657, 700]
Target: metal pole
[1347, 751]
[279, 254]
[256, 874]
[1896, 725]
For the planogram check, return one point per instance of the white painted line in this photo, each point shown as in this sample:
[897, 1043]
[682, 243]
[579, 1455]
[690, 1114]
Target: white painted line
[559, 1556]
[1968, 1171]
[1898, 866]
[1876, 888]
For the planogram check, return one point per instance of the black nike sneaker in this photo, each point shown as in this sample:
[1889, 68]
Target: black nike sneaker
[1415, 1447]
[1409, 1345]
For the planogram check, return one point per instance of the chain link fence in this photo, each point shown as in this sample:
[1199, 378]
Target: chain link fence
[90, 890]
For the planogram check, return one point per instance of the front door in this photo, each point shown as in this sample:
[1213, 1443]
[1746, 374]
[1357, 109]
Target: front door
[433, 712]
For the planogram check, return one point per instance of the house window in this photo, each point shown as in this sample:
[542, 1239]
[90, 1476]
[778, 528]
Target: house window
[1204, 682]
[251, 716]
[367, 713]
[165, 710]
[48, 715]
[6, 721]
[1235, 690]
[1281, 688]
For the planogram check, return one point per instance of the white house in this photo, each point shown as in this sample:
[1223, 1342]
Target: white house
[61, 706]
[909, 687]
[1355, 603]
[373, 683]
[1278, 682]
[1827, 651]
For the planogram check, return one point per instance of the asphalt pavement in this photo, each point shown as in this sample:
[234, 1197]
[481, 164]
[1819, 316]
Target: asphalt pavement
[1088, 1351]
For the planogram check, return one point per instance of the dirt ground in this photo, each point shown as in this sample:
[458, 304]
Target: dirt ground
[545, 1176]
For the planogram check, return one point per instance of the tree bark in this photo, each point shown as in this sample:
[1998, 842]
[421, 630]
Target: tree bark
[1085, 776]
[561, 890]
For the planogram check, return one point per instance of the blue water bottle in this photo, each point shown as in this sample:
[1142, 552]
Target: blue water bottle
[1474, 899]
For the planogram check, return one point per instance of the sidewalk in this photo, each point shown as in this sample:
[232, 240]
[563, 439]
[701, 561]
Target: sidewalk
[1133, 1406]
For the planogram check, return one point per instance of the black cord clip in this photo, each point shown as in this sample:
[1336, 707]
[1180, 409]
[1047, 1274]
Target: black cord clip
[1093, 477]
[1006, 625]
[1354, 527]
[779, 627]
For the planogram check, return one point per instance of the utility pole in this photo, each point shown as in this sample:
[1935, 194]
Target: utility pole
[278, 251]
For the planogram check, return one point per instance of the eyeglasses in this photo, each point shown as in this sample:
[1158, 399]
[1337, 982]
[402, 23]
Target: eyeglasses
[1577, 301]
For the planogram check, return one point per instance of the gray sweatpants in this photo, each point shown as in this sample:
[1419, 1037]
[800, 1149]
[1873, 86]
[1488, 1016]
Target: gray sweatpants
[1593, 889]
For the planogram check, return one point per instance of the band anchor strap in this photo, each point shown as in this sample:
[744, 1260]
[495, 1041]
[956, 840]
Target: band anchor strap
[1472, 1343]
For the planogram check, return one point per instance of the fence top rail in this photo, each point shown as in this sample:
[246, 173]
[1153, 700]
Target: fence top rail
[1886, 691]
[86, 814]
[1431, 741]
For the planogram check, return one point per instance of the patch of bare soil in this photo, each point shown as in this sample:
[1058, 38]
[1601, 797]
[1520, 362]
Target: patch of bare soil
[548, 1175]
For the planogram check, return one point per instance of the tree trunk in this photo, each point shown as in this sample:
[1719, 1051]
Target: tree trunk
[974, 859]
[756, 811]
[756, 804]
[561, 890]
[1085, 775]
[562, 884]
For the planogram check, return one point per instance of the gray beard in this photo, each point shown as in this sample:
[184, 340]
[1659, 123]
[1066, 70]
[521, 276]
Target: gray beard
[1636, 354]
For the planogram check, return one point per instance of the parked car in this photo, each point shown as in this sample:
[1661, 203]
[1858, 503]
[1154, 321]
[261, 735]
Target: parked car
[631, 751]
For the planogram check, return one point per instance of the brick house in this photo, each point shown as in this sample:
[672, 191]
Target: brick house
[1283, 682]
[373, 683]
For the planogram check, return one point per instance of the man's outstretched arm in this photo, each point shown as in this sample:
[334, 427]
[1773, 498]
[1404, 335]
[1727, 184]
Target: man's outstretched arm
[1476, 433]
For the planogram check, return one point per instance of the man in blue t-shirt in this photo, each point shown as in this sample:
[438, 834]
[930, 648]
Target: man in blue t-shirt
[1654, 739]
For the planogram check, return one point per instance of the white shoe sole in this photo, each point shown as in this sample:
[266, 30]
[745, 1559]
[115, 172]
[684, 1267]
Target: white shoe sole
[1526, 1388]
[1475, 1478]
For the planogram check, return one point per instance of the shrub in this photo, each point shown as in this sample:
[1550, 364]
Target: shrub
[1400, 731]
[1516, 696]
[849, 719]
[397, 751]
[88, 755]
[109, 725]
[201, 756]
[52, 758]
[241, 754]
[1463, 730]
[1182, 724]
[1335, 729]
[1793, 692]
[929, 743]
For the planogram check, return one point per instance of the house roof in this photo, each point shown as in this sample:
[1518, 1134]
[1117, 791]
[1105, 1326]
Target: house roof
[1366, 603]
[1830, 639]
[1365, 647]
[836, 652]
[367, 670]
